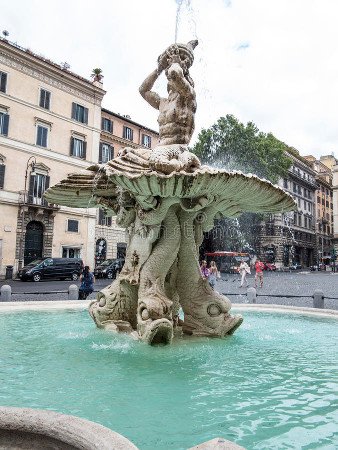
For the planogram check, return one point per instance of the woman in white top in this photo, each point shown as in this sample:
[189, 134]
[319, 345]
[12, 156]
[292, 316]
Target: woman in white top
[244, 269]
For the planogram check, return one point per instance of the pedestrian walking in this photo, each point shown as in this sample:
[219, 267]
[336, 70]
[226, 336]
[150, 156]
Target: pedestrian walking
[87, 283]
[244, 270]
[205, 272]
[213, 274]
[259, 266]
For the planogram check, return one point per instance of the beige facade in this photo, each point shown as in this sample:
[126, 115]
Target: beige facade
[50, 123]
[324, 206]
[117, 132]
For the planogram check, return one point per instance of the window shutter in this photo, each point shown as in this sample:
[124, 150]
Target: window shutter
[85, 116]
[3, 82]
[5, 124]
[31, 188]
[100, 153]
[131, 135]
[108, 221]
[101, 216]
[110, 126]
[42, 98]
[84, 153]
[71, 146]
[47, 183]
[47, 100]
[44, 137]
[73, 110]
[102, 123]
[2, 175]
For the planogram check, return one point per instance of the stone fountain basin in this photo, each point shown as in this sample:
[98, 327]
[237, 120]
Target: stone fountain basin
[26, 428]
[272, 375]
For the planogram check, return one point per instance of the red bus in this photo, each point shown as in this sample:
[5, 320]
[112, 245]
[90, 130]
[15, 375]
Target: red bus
[228, 261]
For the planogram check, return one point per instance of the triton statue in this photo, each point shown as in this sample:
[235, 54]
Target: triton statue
[165, 199]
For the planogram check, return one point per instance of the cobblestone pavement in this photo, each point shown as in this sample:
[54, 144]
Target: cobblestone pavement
[290, 283]
[300, 283]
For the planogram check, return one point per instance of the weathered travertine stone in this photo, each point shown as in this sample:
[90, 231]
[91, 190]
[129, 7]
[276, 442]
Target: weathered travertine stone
[166, 200]
[25, 428]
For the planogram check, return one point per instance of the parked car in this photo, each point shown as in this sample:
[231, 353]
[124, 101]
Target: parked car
[295, 266]
[109, 268]
[270, 267]
[52, 268]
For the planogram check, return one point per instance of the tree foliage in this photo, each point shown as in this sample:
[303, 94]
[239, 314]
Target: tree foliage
[231, 145]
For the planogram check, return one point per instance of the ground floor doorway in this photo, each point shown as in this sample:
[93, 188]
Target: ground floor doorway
[33, 242]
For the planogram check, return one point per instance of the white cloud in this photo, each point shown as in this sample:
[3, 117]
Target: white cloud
[272, 62]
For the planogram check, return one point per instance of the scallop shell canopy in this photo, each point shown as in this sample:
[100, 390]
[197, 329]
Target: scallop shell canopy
[246, 192]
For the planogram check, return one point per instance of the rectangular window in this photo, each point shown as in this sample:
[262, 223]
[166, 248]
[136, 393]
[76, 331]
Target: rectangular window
[104, 219]
[41, 136]
[79, 113]
[285, 183]
[299, 220]
[2, 175]
[44, 99]
[78, 148]
[106, 152]
[3, 81]
[4, 121]
[146, 140]
[73, 225]
[107, 125]
[38, 184]
[127, 133]
[294, 187]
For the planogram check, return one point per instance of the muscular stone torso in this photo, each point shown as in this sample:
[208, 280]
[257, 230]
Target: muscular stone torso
[176, 119]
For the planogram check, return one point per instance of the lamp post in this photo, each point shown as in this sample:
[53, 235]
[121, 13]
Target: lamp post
[30, 164]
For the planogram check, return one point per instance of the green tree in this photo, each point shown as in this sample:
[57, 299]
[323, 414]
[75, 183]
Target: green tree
[231, 145]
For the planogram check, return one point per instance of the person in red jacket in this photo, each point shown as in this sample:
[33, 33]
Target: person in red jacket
[259, 266]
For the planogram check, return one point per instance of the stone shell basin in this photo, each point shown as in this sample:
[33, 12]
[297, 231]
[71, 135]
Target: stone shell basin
[236, 191]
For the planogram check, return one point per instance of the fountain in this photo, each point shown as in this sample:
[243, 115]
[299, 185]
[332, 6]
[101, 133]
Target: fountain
[166, 199]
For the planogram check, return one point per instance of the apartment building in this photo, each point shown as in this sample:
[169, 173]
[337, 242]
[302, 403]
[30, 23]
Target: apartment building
[324, 207]
[50, 125]
[290, 237]
[117, 132]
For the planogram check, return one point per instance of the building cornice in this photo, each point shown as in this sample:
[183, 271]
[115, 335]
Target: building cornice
[43, 153]
[126, 119]
[49, 73]
[50, 113]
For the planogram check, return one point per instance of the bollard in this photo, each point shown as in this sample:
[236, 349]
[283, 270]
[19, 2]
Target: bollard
[6, 293]
[251, 294]
[73, 292]
[318, 299]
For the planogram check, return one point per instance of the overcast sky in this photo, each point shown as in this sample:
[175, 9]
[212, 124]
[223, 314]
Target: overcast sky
[273, 62]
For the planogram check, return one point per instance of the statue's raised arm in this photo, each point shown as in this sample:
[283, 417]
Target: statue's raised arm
[145, 89]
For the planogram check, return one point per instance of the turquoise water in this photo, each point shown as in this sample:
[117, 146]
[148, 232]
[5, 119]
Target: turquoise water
[273, 385]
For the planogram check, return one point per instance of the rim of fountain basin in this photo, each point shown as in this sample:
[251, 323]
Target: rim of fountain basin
[37, 426]
[56, 305]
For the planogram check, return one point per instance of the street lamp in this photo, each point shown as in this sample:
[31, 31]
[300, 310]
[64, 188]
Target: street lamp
[30, 164]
